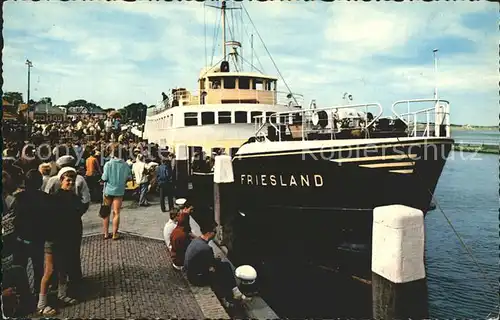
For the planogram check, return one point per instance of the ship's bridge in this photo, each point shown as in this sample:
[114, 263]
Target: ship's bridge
[217, 87]
[237, 87]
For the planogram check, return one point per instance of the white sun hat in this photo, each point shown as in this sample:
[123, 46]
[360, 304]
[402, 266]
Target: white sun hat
[64, 170]
[180, 201]
[66, 160]
[246, 274]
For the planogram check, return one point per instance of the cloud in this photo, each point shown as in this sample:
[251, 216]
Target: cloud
[365, 31]
[115, 53]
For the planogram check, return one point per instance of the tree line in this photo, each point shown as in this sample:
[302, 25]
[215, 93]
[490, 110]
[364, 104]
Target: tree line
[135, 112]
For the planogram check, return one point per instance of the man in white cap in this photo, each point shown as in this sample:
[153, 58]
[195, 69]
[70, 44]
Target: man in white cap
[170, 226]
[172, 221]
[81, 187]
[141, 175]
[203, 268]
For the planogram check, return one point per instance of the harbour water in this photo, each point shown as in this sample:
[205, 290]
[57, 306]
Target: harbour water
[468, 194]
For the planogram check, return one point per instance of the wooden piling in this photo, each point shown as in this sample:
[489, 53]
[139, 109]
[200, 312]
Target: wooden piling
[223, 205]
[181, 168]
[399, 284]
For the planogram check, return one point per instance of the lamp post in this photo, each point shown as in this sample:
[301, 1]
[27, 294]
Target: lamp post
[30, 65]
[437, 107]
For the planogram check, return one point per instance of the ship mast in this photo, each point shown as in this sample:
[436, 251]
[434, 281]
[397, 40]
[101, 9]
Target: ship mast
[223, 22]
[223, 9]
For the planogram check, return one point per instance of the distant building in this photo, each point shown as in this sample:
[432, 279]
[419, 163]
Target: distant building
[45, 111]
[84, 112]
[8, 110]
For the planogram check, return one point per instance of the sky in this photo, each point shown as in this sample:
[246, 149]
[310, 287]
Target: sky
[117, 53]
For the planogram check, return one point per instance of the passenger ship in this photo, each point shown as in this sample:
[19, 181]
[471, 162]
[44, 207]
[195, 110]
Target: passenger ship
[221, 113]
[310, 178]
[307, 178]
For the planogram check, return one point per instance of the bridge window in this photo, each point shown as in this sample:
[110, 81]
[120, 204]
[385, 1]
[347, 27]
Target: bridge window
[244, 83]
[215, 83]
[190, 119]
[224, 116]
[207, 118]
[270, 85]
[254, 114]
[229, 82]
[258, 84]
[240, 117]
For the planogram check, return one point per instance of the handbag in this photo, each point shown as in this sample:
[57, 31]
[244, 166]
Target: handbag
[104, 210]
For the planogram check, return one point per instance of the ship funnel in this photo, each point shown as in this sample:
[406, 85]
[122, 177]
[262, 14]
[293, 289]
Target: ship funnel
[224, 66]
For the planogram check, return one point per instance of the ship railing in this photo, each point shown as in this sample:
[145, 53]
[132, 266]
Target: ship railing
[300, 122]
[289, 99]
[437, 116]
[260, 128]
[216, 96]
[159, 107]
[253, 96]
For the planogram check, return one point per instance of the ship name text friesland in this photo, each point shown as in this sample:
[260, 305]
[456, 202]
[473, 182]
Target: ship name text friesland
[279, 180]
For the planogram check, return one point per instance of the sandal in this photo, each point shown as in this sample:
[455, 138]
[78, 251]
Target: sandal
[67, 300]
[116, 236]
[107, 236]
[47, 311]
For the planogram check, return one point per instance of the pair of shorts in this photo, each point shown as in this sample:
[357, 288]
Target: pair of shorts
[110, 197]
[49, 247]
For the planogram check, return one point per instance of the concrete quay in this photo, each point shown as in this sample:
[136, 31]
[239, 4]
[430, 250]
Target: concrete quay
[133, 277]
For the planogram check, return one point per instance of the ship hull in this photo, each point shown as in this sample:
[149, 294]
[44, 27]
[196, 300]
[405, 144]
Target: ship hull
[324, 197]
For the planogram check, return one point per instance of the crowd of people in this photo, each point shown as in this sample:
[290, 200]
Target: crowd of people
[46, 228]
[49, 182]
[108, 129]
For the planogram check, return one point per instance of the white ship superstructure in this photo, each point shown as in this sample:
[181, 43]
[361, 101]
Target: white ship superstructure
[222, 111]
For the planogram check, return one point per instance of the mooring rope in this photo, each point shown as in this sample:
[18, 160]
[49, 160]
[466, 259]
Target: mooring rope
[483, 272]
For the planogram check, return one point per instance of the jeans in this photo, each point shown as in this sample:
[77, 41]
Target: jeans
[166, 190]
[35, 251]
[94, 188]
[143, 191]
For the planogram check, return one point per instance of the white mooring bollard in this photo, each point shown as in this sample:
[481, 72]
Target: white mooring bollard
[399, 285]
[223, 179]
[181, 168]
